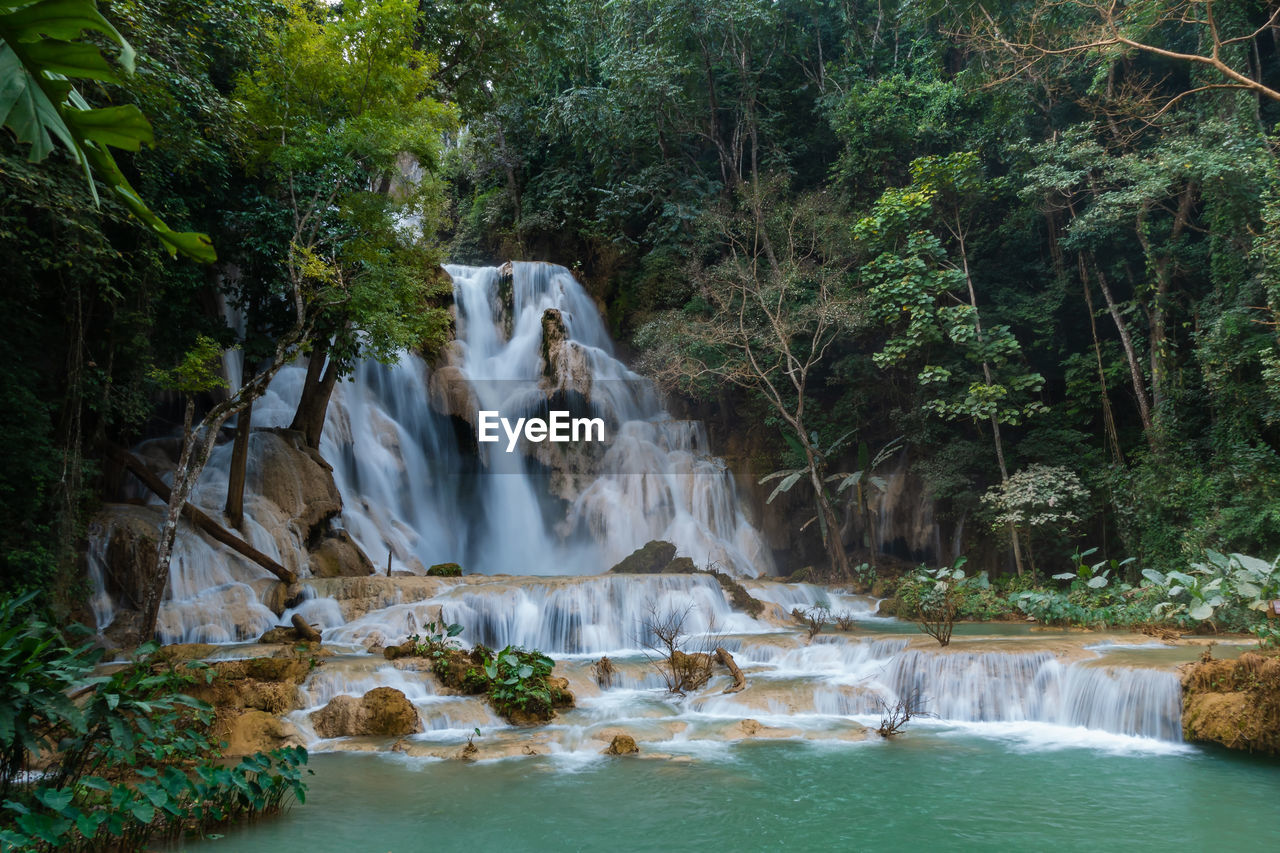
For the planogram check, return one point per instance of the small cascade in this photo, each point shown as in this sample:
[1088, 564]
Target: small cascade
[587, 616]
[1037, 687]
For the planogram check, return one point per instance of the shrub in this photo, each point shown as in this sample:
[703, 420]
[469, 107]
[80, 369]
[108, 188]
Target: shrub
[131, 755]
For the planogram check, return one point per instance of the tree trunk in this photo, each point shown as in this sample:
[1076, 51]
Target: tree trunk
[831, 524]
[164, 550]
[197, 518]
[313, 407]
[239, 464]
[1131, 356]
[986, 374]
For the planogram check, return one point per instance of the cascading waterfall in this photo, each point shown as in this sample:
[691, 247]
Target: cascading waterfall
[416, 490]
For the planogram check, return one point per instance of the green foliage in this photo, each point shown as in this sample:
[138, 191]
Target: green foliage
[131, 756]
[518, 681]
[1230, 590]
[437, 641]
[41, 51]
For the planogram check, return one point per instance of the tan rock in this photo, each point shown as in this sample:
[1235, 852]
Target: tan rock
[337, 555]
[622, 744]
[247, 732]
[383, 711]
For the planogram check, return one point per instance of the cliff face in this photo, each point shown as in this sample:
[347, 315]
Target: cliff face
[1235, 703]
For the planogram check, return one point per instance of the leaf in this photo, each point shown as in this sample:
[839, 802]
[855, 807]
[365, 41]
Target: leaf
[1065, 576]
[1202, 612]
[787, 482]
[120, 127]
[1155, 577]
[1097, 582]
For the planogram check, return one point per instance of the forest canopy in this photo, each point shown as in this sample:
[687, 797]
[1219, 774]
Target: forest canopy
[1013, 237]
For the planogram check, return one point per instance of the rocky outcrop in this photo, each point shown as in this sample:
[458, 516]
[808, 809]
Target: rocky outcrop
[565, 366]
[445, 570]
[382, 712]
[336, 555]
[247, 696]
[1235, 703]
[295, 478]
[248, 732]
[659, 557]
[649, 559]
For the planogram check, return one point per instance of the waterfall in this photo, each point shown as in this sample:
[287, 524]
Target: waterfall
[408, 487]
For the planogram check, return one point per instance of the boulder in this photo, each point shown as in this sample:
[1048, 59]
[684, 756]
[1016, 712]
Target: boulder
[337, 555]
[622, 744]
[248, 732]
[445, 570]
[129, 562]
[295, 478]
[382, 712]
[649, 559]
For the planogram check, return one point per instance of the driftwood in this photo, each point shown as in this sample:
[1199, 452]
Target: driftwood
[198, 518]
[305, 631]
[739, 680]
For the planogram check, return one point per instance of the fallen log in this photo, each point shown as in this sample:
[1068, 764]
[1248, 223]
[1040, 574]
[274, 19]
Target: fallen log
[134, 465]
[304, 629]
[739, 680]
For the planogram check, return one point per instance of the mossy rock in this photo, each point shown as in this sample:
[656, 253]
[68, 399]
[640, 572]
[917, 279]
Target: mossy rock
[739, 598]
[649, 559]
[680, 566]
[445, 570]
[802, 575]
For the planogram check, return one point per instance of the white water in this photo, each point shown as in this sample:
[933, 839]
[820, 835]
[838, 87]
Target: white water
[410, 487]
[415, 494]
[814, 688]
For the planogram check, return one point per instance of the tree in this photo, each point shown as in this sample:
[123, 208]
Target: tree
[41, 49]
[1206, 34]
[766, 324]
[912, 282]
[335, 104]
[343, 127]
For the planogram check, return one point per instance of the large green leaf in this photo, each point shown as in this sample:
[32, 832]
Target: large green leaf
[38, 53]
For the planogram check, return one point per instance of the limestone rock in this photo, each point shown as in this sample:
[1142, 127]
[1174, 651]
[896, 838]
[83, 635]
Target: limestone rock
[295, 478]
[649, 559]
[680, 566]
[247, 732]
[622, 744]
[338, 556]
[383, 711]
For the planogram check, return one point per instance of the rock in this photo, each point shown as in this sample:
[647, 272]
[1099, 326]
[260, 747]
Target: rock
[337, 555]
[565, 365]
[1235, 703]
[650, 559]
[295, 478]
[262, 684]
[445, 570]
[753, 729]
[680, 566]
[278, 635]
[178, 652]
[247, 732]
[450, 393]
[130, 560]
[383, 712]
[692, 671]
[622, 744]
[739, 598]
